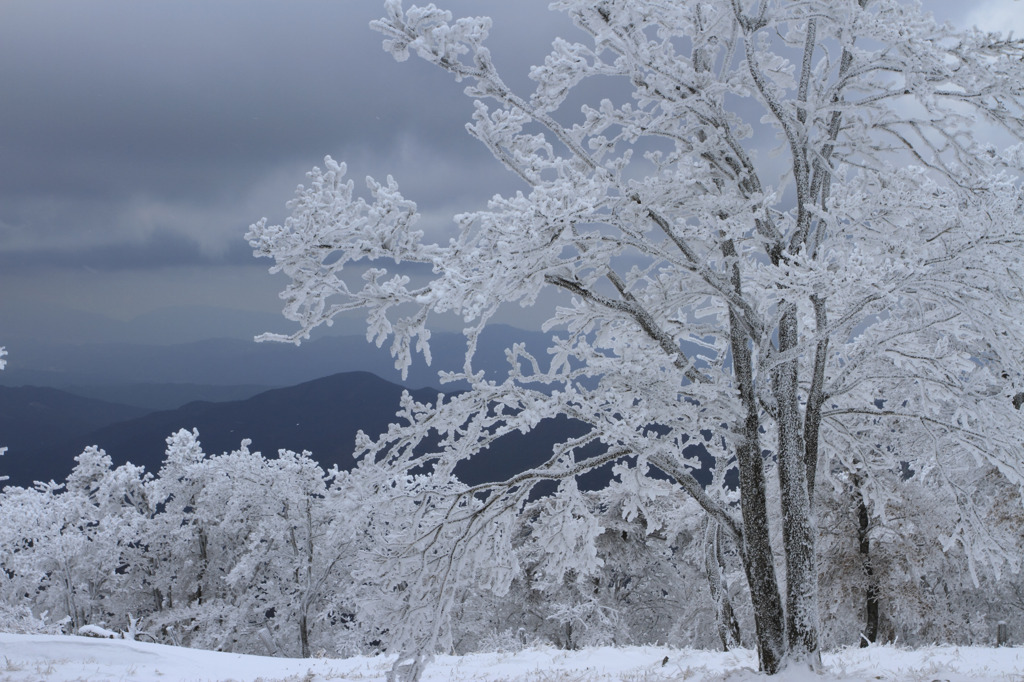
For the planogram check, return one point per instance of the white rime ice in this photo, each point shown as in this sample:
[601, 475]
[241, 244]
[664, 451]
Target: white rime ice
[827, 316]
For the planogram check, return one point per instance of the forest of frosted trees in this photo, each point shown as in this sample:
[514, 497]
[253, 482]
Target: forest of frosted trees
[789, 230]
[240, 552]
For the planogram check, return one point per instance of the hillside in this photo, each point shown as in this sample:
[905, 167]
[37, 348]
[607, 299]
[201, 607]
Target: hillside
[241, 362]
[36, 424]
[321, 416]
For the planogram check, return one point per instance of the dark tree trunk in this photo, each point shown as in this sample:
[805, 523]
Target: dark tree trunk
[758, 562]
[870, 634]
[815, 399]
[304, 636]
[797, 535]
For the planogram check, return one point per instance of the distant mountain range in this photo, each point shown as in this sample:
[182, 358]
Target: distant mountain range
[56, 398]
[153, 397]
[36, 425]
[321, 416]
[106, 371]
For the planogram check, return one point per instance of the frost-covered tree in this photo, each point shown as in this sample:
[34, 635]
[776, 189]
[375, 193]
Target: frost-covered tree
[66, 549]
[240, 545]
[931, 556]
[850, 295]
[648, 586]
[292, 536]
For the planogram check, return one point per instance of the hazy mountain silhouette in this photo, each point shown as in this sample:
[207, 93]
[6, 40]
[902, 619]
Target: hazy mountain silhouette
[322, 416]
[37, 423]
[316, 412]
[87, 368]
[155, 397]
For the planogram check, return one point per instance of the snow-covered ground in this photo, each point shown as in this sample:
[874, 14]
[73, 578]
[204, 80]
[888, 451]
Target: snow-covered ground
[61, 659]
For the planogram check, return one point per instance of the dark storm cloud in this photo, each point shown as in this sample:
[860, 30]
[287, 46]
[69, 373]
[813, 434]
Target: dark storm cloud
[148, 135]
[195, 103]
[192, 97]
[160, 249]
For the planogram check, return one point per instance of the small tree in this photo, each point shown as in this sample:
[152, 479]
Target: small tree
[64, 548]
[855, 293]
[240, 543]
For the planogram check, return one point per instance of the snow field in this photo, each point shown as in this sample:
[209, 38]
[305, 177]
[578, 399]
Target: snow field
[29, 658]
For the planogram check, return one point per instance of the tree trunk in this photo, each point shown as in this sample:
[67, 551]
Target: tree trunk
[815, 398]
[304, 635]
[714, 570]
[797, 529]
[870, 634]
[758, 562]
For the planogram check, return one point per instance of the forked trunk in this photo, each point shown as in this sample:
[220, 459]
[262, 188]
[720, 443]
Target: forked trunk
[797, 528]
[758, 562]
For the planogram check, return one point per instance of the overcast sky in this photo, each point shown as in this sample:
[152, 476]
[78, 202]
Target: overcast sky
[138, 140]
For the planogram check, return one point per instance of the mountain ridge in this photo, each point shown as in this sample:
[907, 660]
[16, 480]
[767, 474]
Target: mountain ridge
[321, 416]
[227, 361]
[272, 420]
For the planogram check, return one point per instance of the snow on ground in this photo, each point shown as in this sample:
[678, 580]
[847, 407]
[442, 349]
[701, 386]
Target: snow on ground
[64, 659]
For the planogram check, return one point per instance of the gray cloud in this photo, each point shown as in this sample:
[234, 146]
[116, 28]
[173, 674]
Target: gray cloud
[159, 249]
[205, 86]
[112, 104]
[140, 136]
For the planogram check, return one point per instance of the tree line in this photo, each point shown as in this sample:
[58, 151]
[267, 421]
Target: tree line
[244, 553]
